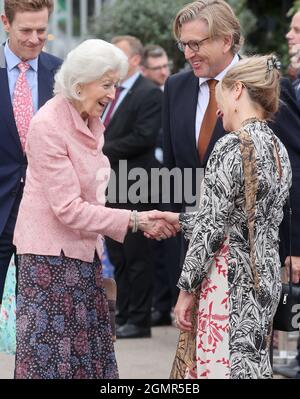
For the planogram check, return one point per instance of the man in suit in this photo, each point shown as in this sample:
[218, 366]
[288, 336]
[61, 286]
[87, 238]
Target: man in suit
[155, 66]
[26, 25]
[292, 369]
[208, 33]
[131, 134]
[293, 39]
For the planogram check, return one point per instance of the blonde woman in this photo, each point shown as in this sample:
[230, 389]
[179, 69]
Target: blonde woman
[232, 267]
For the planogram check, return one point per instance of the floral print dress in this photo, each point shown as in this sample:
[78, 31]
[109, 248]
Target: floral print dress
[236, 301]
[63, 325]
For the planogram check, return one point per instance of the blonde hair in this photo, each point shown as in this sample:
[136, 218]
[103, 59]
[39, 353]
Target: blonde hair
[260, 76]
[218, 15]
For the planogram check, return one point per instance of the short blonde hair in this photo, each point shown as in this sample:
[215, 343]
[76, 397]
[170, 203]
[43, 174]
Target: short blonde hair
[218, 15]
[86, 63]
[260, 76]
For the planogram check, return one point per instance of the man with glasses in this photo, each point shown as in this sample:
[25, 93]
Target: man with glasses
[208, 33]
[155, 64]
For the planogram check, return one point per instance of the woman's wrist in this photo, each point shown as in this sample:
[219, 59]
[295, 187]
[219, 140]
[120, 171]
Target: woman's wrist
[134, 221]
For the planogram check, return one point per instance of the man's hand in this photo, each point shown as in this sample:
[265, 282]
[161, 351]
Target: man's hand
[183, 310]
[295, 268]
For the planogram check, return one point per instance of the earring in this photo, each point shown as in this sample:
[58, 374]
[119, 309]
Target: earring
[235, 108]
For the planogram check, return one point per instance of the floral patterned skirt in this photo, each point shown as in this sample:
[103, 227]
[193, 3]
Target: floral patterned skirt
[63, 328]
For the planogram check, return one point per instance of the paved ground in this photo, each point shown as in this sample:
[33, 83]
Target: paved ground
[148, 358]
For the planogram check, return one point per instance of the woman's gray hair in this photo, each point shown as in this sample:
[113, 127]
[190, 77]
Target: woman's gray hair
[86, 63]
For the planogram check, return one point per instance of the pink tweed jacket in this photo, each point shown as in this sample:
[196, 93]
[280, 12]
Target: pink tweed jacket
[63, 206]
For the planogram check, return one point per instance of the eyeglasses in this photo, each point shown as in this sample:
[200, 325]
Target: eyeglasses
[158, 68]
[194, 45]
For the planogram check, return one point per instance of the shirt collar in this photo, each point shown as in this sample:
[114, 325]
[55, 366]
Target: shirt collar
[12, 60]
[221, 75]
[128, 83]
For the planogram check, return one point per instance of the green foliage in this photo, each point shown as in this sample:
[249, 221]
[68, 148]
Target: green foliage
[295, 8]
[151, 21]
[247, 20]
[271, 28]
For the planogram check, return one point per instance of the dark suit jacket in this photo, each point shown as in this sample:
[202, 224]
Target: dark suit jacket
[180, 103]
[132, 131]
[13, 163]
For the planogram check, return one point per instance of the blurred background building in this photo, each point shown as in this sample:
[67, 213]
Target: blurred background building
[69, 24]
[264, 24]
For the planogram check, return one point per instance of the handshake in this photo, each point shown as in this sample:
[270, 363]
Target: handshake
[156, 224]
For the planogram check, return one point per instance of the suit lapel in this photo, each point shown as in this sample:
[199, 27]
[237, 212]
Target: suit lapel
[189, 111]
[6, 109]
[121, 107]
[45, 82]
[125, 101]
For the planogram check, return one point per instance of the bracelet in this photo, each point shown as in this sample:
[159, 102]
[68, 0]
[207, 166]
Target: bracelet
[135, 225]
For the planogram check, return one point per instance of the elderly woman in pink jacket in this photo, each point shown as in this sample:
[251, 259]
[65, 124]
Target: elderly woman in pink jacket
[63, 328]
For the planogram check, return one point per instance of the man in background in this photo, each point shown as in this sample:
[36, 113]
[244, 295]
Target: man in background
[292, 369]
[26, 83]
[155, 64]
[156, 67]
[293, 39]
[209, 35]
[132, 123]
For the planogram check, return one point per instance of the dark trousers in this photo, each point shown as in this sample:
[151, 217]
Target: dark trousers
[7, 249]
[133, 264]
[166, 273]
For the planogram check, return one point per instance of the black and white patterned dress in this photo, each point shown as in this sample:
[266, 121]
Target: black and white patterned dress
[234, 320]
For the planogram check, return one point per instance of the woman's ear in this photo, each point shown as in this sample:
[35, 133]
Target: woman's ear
[238, 90]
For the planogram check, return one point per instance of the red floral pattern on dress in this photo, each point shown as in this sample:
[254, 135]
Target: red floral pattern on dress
[81, 343]
[43, 278]
[212, 351]
[63, 331]
[68, 304]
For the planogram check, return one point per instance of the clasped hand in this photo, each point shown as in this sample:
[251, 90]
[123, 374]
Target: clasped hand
[159, 225]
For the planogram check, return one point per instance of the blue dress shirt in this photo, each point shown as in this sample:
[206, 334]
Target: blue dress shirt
[12, 62]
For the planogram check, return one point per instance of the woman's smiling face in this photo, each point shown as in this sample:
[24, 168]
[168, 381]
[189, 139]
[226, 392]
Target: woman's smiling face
[94, 96]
